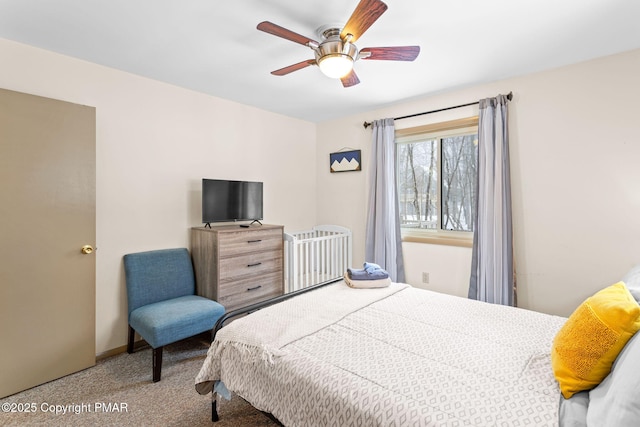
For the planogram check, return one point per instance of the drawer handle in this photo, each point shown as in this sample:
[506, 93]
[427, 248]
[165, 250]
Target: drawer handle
[254, 241]
[254, 265]
[254, 288]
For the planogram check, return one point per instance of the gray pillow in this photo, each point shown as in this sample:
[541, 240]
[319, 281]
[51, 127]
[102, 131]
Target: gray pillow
[573, 411]
[632, 280]
[614, 402]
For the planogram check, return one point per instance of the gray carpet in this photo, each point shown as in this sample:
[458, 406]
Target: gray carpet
[126, 379]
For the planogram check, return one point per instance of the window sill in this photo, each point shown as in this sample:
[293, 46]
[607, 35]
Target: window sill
[449, 238]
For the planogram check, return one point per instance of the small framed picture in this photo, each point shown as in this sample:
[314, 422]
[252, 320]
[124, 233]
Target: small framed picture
[345, 161]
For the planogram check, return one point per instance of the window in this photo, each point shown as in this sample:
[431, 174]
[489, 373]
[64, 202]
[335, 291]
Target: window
[436, 178]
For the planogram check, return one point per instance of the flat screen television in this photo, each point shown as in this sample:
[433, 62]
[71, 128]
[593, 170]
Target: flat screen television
[226, 201]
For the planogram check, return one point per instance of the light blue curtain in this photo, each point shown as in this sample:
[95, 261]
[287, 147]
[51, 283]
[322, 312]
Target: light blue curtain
[383, 242]
[492, 270]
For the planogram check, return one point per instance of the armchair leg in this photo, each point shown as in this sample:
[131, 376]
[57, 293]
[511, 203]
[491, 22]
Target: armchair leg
[214, 411]
[157, 363]
[132, 335]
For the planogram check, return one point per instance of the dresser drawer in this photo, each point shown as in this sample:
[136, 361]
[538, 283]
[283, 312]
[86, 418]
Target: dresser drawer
[249, 265]
[242, 242]
[250, 290]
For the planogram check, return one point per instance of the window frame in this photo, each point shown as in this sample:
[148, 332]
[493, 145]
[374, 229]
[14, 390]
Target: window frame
[433, 131]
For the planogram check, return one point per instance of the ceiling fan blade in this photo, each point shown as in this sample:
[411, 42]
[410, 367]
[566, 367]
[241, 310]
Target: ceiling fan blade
[396, 53]
[350, 79]
[366, 13]
[277, 30]
[295, 67]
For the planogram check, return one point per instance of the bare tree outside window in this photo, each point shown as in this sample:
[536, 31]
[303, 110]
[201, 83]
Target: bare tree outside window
[459, 174]
[436, 182]
[417, 184]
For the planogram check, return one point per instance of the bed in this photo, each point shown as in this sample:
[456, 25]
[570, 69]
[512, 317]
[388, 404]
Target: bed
[394, 356]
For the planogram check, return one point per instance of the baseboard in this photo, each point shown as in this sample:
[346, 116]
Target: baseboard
[137, 345]
[122, 349]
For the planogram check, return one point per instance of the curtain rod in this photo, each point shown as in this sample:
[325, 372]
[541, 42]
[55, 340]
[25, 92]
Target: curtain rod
[367, 124]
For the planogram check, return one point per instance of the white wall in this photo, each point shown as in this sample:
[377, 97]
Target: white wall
[154, 143]
[576, 199]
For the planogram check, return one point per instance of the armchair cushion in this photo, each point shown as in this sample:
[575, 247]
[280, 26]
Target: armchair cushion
[172, 320]
[158, 275]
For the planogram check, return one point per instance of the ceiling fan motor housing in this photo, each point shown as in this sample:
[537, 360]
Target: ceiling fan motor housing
[334, 47]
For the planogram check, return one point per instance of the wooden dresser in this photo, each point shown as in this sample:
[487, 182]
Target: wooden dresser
[238, 266]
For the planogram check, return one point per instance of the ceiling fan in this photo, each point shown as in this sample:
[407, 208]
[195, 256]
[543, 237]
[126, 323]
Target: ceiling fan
[336, 53]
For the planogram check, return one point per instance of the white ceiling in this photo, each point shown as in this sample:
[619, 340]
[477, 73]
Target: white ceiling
[213, 46]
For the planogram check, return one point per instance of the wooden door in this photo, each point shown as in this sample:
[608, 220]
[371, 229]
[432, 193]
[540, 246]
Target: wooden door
[47, 214]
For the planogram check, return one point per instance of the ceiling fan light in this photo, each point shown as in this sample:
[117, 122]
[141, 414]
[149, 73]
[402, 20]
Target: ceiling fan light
[336, 65]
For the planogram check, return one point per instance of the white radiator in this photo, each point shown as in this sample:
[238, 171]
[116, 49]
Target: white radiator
[315, 256]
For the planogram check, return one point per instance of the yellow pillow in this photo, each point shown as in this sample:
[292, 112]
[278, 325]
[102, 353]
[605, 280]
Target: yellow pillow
[589, 342]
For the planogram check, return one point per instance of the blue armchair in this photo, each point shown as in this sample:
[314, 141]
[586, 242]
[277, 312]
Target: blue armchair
[163, 307]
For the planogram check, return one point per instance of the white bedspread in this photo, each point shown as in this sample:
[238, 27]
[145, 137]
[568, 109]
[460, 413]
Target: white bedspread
[402, 357]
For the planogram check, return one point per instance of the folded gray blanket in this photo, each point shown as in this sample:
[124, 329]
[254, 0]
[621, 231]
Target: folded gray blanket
[370, 271]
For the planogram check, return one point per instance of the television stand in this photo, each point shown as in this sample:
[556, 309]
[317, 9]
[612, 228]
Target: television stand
[255, 220]
[207, 225]
[238, 267]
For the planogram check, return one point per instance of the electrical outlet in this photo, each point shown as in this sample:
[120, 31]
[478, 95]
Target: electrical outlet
[425, 277]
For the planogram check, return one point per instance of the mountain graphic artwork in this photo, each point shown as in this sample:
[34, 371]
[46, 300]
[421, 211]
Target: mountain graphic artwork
[340, 162]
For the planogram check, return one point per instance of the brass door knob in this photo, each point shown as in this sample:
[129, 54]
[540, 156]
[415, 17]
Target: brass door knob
[87, 249]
